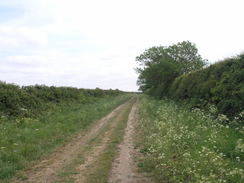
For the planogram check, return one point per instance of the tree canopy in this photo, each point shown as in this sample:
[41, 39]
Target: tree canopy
[159, 66]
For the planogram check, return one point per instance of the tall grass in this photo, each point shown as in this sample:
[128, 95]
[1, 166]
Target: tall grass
[23, 140]
[189, 146]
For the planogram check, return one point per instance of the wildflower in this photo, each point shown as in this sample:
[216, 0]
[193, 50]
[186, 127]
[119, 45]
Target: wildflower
[239, 146]
[223, 118]
[238, 159]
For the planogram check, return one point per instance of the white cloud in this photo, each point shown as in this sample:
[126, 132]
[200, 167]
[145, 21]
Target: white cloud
[94, 43]
[15, 37]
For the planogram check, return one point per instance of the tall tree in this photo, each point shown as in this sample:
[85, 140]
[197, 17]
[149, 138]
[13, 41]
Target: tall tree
[159, 66]
[156, 79]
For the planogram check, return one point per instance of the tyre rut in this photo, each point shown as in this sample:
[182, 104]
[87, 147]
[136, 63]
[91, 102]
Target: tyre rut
[46, 170]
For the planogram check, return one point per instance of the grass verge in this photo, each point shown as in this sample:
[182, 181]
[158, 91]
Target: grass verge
[23, 140]
[189, 146]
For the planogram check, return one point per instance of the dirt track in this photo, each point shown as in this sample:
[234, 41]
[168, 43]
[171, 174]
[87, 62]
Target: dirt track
[90, 145]
[124, 167]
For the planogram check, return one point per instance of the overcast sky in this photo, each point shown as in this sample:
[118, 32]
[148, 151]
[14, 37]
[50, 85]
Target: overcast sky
[93, 43]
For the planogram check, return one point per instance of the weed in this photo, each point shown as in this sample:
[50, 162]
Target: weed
[189, 146]
[23, 140]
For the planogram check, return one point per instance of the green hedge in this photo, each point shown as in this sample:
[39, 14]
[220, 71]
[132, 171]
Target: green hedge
[28, 100]
[221, 84]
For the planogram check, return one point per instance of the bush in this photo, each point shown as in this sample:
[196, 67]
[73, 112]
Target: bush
[221, 84]
[29, 100]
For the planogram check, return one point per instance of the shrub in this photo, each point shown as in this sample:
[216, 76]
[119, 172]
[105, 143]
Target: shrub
[221, 84]
[28, 100]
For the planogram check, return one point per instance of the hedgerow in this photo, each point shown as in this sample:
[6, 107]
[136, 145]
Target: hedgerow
[179, 72]
[221, 84]
[30, 100]
[34, 120]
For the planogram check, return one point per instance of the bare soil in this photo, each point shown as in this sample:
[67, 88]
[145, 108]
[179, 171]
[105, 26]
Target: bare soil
[124, 169]
[46, 170]
[92, 156]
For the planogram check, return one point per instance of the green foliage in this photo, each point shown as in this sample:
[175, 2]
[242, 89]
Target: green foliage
[159, 66]
[30, 100]
[156, 79]
[24, 139]
[36, 119]
[16, 102]
[183, 53]
[177, 72]
[221, 84]
[186, 55]
[189, 146]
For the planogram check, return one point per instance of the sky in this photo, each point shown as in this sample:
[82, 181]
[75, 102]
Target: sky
[93, 43]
